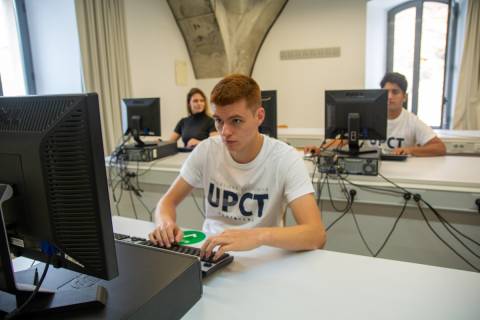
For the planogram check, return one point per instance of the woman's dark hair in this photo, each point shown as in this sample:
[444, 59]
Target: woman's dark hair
[190, 94]
[397, 78]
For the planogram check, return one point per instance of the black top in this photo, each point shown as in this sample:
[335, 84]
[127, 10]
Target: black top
[196, 126]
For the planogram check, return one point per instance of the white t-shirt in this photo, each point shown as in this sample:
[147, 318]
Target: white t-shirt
[249, 195]
[406, 130]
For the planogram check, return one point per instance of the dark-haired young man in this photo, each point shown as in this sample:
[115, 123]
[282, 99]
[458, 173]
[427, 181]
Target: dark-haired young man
[249, 180]
[406, 133]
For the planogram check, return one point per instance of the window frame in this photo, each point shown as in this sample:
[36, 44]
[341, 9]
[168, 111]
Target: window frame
[447, 89]
[25, 46]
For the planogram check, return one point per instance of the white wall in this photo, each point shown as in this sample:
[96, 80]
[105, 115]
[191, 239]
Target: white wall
[154, 43]
[300, 84]
[55, 47]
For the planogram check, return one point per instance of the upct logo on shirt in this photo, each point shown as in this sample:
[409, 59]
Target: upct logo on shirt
[391, 142]
[250, 205]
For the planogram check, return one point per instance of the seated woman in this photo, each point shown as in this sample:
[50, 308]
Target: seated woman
[198, 125]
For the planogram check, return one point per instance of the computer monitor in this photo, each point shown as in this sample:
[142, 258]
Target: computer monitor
[269, 103]
[141, 117]
[356, 115]
[54, 203]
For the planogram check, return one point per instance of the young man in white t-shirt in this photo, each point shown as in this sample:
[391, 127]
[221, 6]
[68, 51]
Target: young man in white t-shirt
[406, 133]
[249, 180]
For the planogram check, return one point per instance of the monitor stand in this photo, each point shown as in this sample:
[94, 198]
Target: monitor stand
[14, 293]
[354, 150]
[353, 138]
[152, 284]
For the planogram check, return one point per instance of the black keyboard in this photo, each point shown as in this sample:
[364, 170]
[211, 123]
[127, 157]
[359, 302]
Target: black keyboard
[393, 157]
[208, 266]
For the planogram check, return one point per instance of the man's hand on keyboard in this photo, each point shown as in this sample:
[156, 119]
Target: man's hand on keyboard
[405, 150]
[166, 233]
[231, 240]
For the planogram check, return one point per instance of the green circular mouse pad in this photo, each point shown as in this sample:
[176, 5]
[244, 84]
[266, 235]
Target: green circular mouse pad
[191, 237]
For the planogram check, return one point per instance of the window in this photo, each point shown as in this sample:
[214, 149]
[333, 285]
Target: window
[11, 66]
[417, 48]
[16, 72]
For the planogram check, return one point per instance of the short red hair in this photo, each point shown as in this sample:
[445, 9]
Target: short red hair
[234, 88]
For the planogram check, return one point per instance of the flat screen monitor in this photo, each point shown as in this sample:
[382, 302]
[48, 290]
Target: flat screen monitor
[54, 201]
[356, 115]
[269, 103]
[141, 117]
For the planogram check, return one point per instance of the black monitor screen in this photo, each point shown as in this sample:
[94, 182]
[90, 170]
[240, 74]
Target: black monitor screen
[53, 189]
[369, 107]
[142, 114]
[269, 103]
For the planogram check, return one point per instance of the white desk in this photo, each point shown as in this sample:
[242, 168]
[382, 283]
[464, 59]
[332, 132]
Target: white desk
[451, 184]
[448, 183]
[300, 137]
[461, 142]
[269, 283]
[449, 172]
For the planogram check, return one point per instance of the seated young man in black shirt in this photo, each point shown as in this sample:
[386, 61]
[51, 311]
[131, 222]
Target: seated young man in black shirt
[198, 125]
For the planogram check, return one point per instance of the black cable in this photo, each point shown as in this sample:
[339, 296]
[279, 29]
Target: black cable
[315, 164]
[336, 220]
[320, 184]
[124, 179]
[441, 218]
[444, 223]
[360, 232]
[150, 211]
[343, 187]
[136, 178]
[418, 198]
[117, 163]
[327, 146]
[373, 188]
[18, 311]
[331, 200]
[133, 205]
[350, 201]
[148, 169]
[458, 239]
[407, 198]
[437, 214]
[393, 183]
[440, 238]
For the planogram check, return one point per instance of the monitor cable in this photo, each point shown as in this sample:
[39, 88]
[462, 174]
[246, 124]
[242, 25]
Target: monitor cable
[347, 197]
[406, 197]
[448, 227]
[350, 200]
[127, 180]
[18, 311]
[417, 199]
[442, 219]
